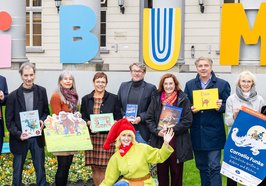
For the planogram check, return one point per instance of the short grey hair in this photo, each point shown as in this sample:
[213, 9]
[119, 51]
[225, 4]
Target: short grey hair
[27, 65]
[246, 73]
[203, 59]
[142, 66]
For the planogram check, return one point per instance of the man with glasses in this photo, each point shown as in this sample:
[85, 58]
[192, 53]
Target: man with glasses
[137, 92]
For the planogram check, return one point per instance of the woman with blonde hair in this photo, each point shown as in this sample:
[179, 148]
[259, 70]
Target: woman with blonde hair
[245, 95]
[65, 98]
[132, 159]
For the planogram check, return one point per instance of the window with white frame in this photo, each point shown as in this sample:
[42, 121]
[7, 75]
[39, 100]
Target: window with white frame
[34, 25]
[103, 23]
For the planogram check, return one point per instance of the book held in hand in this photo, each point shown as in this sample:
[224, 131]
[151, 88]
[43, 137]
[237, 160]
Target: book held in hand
[30, 123]
[101, 122]
[205, 99]
[170, 116]
[131, 112]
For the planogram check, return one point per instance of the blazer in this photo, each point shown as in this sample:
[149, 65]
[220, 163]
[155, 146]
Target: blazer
[14, 105]
[109, 105]
[144, 100]
[183, 146]
[3, 87]
[207, 131]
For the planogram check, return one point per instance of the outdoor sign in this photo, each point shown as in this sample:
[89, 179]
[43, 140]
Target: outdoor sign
[5, 40]
[245, 149]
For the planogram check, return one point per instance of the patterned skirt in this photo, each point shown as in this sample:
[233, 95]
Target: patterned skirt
[98, 156]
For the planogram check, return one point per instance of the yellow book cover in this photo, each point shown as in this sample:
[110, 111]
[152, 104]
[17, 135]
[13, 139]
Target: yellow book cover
[205, 99]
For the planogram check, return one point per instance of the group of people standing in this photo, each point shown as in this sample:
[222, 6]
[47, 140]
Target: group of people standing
[140, 143]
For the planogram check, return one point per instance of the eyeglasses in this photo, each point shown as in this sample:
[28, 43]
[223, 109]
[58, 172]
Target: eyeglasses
[137, 71]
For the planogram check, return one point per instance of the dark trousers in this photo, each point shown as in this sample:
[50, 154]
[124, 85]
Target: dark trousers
[1, 133]
[1, 142]
[231, 182]
[37, 154]
[176, 169]
[208, 163]
[64, 163]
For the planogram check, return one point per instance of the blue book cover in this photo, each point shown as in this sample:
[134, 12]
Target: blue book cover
[170, 116]
[30, 123]
[131, 112]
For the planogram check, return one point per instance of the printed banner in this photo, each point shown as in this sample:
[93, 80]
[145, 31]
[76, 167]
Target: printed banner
[245, 149]
[66, 132]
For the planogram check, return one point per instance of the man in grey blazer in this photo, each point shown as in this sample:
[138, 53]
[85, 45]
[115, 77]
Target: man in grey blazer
[138, 92]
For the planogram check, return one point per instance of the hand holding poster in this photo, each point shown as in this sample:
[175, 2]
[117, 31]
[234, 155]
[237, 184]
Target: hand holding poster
[66, 132]
[245, 149]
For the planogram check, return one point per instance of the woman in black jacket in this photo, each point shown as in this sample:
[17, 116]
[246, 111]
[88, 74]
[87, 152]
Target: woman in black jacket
[99, 101]
[170, 94]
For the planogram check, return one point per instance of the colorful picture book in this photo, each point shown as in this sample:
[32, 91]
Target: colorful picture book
[101, 122]
[30, 123]
[66, 132]
[131, 112]
[170, 116]
[205, 99]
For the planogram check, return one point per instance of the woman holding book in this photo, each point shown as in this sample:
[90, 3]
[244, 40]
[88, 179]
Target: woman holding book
[99, 101]
[65, 98]
[170, 94]
[245, 95]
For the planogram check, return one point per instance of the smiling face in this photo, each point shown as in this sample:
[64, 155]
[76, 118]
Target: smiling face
[125, 139]
[100, 84]
[169, 86]
[67, 81]
[204, 69]
[245, 83]
[137, 73]
[28, 77]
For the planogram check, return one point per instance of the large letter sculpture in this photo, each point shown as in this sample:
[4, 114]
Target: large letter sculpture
[161, 37]
[77, 43]
[5, 40]
[234, 25]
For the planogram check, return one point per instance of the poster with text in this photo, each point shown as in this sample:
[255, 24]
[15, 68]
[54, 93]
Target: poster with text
[245, 149]
[205, 99]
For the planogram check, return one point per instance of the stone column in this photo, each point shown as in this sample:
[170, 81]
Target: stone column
[95, 5]
[17, 10]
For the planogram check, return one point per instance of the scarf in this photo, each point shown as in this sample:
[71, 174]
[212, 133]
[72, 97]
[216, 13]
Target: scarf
[124, 149]
[169, 100]
[252, 96]
[71, 97]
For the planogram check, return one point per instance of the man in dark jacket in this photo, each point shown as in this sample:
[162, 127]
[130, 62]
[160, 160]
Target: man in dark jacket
[137, 92]
[207, 131]
[27, 97]
[3, 95]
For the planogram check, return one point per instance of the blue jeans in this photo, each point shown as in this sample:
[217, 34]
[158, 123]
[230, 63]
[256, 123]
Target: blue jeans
[37, 155]
[139, 138]
[208, 163]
